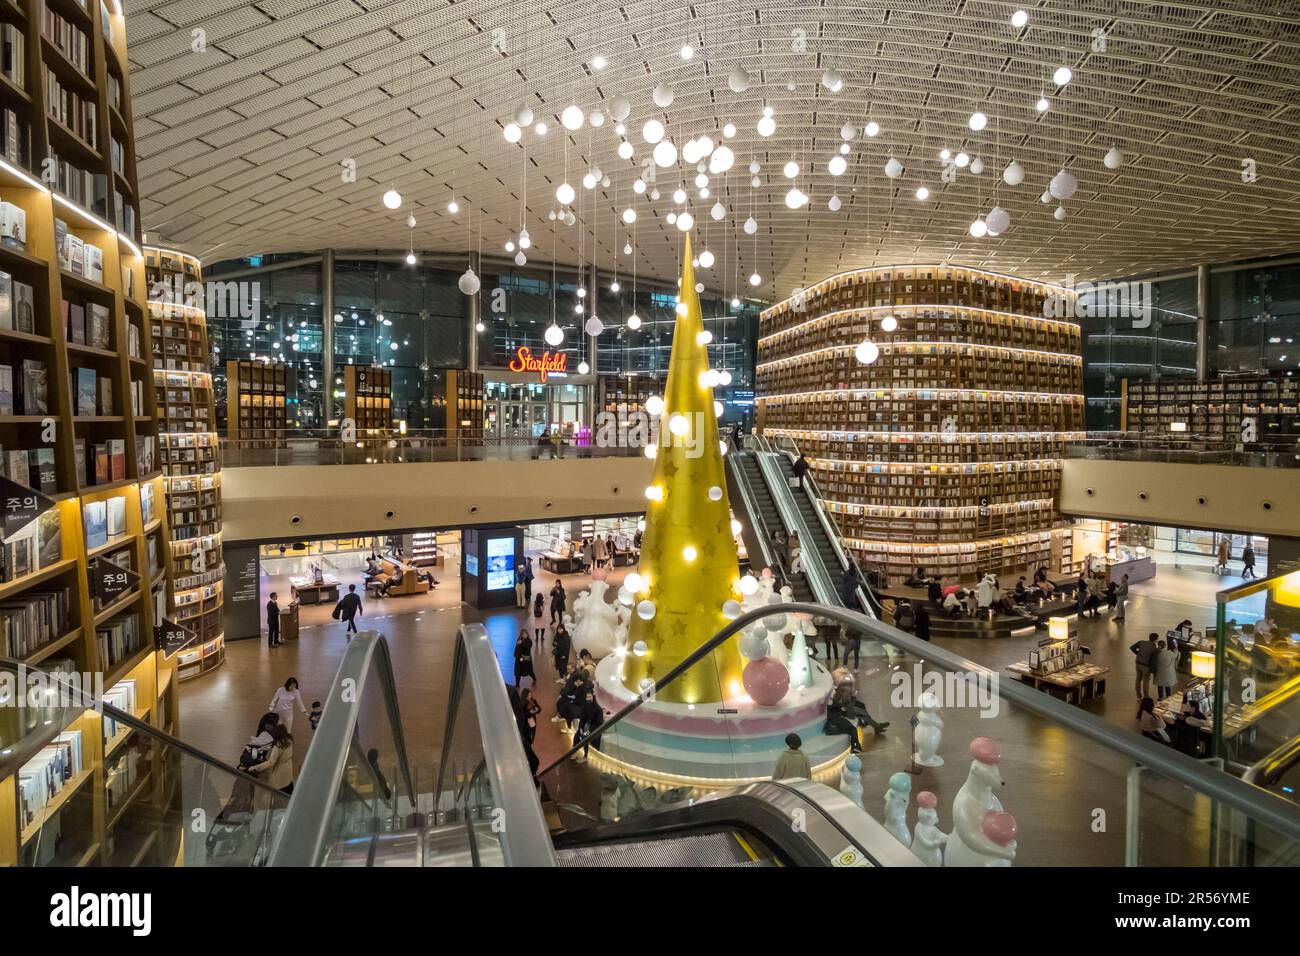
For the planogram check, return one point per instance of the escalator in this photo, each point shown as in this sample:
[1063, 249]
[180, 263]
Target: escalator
[752, 500]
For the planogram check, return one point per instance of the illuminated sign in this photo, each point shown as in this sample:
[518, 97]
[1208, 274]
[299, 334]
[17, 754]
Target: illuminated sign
[543, 365]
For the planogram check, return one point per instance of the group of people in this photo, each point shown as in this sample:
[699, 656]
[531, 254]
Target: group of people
[268, 755]
[1092, 589]
[1225, 555]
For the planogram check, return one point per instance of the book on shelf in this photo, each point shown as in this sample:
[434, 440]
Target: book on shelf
[15, 139]
[43, 777]
[118, 639]
[117, 459]
[43, 474]
[24, 306]
[49, 538]
[95, 517]
[13, 225]
[6, 390]
[100, 474]
[105, 405]
[32, 620]
[19, 554]
[99, 326]
[35, 388]
[116, 520]
[86, 391]
[14, 63]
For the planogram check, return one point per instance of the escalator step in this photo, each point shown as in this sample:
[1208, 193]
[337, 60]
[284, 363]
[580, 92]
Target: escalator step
[700, 850]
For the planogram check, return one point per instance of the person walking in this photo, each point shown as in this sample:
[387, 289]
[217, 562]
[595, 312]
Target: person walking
[793, 763]
[588, 555]
[1225, 555]
[849, 588]
[558, 600]
[852, 648]
[590, 716]
[601, 550]
[1248, 562]
[284, 701]
[922, 624]
[1081, 594]
[1121, 598]
[800, 469]
[524, 658]
[1144, 652]
[277, 769]
[349, 609]
[273, 622]
[561, 644]
[528, 581]
[531, 708]
[539, 619]
[1165, 668]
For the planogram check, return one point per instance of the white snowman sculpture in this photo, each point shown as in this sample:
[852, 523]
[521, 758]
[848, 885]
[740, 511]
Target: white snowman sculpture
[982, 834]
[929, 732]
[927, 838]
[595, 622]
[897, 798]
[851, 780]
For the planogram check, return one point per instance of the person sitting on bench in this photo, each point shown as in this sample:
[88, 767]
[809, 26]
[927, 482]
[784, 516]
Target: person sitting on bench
[392, 582]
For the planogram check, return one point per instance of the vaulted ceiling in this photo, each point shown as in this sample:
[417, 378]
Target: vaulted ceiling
[243, 129]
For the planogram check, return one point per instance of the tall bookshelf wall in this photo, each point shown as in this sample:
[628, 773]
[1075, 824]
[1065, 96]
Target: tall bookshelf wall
[946, 451]
[77, 423]
[1253, 413]
[189, 452]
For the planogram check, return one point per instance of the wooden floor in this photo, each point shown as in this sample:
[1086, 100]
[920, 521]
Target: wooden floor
[1067, 796]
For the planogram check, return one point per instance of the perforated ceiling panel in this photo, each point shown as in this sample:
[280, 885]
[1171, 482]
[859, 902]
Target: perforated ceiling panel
[248, 112]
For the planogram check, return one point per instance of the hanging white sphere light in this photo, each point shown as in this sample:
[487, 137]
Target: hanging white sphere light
[866, 352]
[978, 121]
[873, 129]
[569, 218]
[729, 130]
[1062, 75]
[663, 95]
[468, 282]
[755, 279]
[665, 153]
[638, 186]
[410, 261]
[979, 228]
[751, 226]
[1043, 104]
[619, 108]
[755, 182]
[997, 220]
[888, 324]
[653, 131]
[718, 212]
[685, 221]
[510, 245]
[796, 198]
[922, 193]
[690, 154]
[594, 326]
[791, 169]
[614, 286]
[844, 149]
[1059, 213]
[524, 114]
[589, 180]
[977, 165]
[706, 259]
[766, 126]
[654, 405]
[627, 248]
[721, 160]
[679, 196]
[701, 181]
[572, 117]
[410, 222]
[541, 128]
[671, 218]
[1063, 184]
[848, 131]
[1014, 174]
[392, 199]
[512, 133]
[834, 203]
[1045, 198]
[583, 368]
[634, 321]
[525, 240]
[945, 155]
[596, 119]
[961, 161]
[704, 145]
[739, 80]
[832, 80]
[564, 194]
[703, 337]
[687, 52]
[837, 165]
[629, 215]
[582, 292]
[554, 334]
[893, 168]
[1019, 19]
[625, 150]
[1113, 159]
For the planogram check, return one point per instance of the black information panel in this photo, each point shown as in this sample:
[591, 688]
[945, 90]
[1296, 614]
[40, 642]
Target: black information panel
[172, 637]
[243, 608]
[22, 505]
[110, 582]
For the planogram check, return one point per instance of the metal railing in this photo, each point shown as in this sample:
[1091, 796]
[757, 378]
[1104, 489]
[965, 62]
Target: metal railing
[368, 447]
[1277, 451]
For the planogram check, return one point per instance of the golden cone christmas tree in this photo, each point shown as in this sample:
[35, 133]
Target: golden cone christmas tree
[688, 553]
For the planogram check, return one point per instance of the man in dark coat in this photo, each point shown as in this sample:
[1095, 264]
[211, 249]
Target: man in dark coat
[349, 608]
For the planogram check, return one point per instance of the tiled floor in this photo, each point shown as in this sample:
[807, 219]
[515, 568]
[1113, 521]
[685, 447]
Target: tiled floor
[1068, 797]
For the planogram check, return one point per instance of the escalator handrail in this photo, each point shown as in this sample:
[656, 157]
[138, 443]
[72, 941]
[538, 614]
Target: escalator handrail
[136, 724]
[304, 835]
[1266, 808]
[525, 840]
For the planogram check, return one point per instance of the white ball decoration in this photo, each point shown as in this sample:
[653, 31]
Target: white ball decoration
[665, 153]
[832, 80]
[524, 114]
[922, 193]
[629, 215]
[1045, 198]
[978, 121]
[731, 610]
[468, 282]
[634, 582]
[596, 119]
[776, 623]
[653, 131]
[1063, 185]
[873, 129]
[1060, 213]
[554, 334]
[1014, 174]
[721, 160]
[888, 324]
[848, 131]
[755, 279]
[638, 186]
[998, 219]
[671, 218]
[893, 168]
[663, 95]
[619, 108]
[685, 222]
[748, 585]
[589, 180]
[392, 199]
[640, 649]
[706, 257]
[512, 133]
[755, 182]
[977, 166]
[729, 130]
[654, 405]
[572, 117]
[1062, 75]
[753, 645]
[717, 213]
[634, 321]
[1113, 159]
[1019, 19]
[979, 228]
[626, 597]
[520, 259]
[751, 227]
[715, 493]
[625, 150]
[791, 169]
[583, 368]
[866, 352]
[837, 165]
[766, 126]
[594, 326]
[796, 198]
[564, 194]
[739, 80]
[834, 203]
[645, 610]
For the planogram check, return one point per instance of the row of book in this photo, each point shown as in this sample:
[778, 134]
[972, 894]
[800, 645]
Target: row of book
[77, 256]
[105, 463]
[33, 467]
[93, 391]
[70, 109]
[122, 776]
[118, 640]
[104, 521]
[123, 213]
[43, 777]
[14, 62]
[122, 696]
[17, 304]
[26, 393]
[67, 38]
[88, 324]
[35, 619]
[15, 139]
[117, 153]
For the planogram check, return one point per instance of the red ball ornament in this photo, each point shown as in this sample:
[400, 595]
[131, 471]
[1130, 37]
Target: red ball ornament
[766, 681]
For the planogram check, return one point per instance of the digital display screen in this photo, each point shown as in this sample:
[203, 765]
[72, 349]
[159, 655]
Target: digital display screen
[471, 564]
[500, 564]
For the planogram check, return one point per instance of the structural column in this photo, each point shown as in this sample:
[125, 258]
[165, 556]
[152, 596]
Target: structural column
[1203, 323]
[327, 335]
